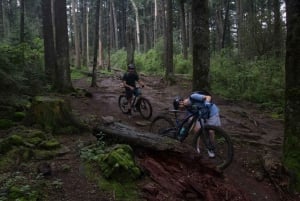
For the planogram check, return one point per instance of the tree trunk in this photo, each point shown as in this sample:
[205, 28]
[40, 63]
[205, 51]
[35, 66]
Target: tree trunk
[291, 147]
[22, 19]
[63, 76]
[130, 43]
[129, 135]
[137, 24]
[155, 22]
[200, 45]
[100, 43]
[277, 29]
[169, 40]
[96, 38]
[183, 29]
[1, 21]
[76, 34]
[52, 114]
[49, 55]
[114, 15]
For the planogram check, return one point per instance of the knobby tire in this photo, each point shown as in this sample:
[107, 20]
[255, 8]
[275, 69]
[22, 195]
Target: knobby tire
[222, 143]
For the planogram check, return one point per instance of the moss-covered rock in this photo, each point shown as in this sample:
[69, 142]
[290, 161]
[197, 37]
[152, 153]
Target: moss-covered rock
[23, 144]
[119, 164]
[19, 116]
[50, 144]
[6, 123]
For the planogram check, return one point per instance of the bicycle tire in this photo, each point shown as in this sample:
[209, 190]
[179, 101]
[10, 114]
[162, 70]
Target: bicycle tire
[163, 125]
[144, 107]
[223, 147]
[123, 104]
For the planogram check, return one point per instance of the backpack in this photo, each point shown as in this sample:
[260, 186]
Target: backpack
[200, 106]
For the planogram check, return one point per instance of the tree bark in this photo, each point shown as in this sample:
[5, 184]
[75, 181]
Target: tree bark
[96, 38]
[169, 40]
[22, 20]
[137, 24]
[183, 29]
[200, 34]
[76, 36]
[49, 55]
[291, 147]
[62, 76]
[129, 135]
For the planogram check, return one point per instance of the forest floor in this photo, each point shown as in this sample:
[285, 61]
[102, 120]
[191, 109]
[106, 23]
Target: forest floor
[256, 136]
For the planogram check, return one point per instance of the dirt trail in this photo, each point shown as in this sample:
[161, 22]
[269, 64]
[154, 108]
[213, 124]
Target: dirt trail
[253, 131]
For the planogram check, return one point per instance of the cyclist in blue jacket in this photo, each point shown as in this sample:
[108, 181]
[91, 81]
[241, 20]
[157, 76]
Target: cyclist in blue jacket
[202, 98]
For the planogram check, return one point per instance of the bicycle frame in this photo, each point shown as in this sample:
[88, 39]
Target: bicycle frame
[189, 120]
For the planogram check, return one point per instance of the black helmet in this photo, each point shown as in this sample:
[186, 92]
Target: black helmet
[131, 66]
[176, 101]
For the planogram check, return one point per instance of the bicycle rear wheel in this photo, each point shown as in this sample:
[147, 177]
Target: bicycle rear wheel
[123, 104]
[163, 126]
[220, 144]
[145, 108]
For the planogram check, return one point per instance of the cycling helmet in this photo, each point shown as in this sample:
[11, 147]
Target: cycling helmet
[131, 66]
[176, 101]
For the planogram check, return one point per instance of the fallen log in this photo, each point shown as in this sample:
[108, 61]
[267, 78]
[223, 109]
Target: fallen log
[127, 134]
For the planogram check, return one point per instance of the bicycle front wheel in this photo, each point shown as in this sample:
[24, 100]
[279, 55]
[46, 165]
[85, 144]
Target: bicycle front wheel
[163, 126]
[145, 108]
[214, 139]
[123, 104]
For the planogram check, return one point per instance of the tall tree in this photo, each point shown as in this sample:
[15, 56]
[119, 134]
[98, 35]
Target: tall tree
[183, 29]
[277, 28]
[49, 55]
[137, 24]
[168, 61]
[96, 38]
[291, 149]
[1, 20]
[62, 76]
[200, 34]
[22, 20]
[76, 35]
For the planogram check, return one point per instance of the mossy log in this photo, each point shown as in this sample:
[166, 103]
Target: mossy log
[52, 114]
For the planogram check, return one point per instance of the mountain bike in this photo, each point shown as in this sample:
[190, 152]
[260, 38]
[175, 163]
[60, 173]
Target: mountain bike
[138, 104]
[208, 138]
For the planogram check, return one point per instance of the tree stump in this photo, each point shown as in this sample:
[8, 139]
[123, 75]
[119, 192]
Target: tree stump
[52, 114]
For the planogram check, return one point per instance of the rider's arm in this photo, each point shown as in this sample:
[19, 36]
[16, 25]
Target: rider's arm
[141, 83]
[127, 86]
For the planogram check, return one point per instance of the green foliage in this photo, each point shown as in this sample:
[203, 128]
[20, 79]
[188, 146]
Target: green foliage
[292, 159]
[18, 187]
[77, 74]
[150, 62]
[183, 66]
[21, 67]
[118, 59]
[259, 81]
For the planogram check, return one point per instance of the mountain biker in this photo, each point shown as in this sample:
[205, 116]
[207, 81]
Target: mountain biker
[129, 80]
[201, 99]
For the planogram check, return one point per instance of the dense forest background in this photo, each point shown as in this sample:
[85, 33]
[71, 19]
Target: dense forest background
[44, 44]
[247, 42]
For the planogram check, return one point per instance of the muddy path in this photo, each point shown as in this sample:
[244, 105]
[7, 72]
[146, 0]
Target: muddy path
[254, 134]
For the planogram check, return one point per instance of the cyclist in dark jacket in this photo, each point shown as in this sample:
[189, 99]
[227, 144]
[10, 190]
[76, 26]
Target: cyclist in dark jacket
[129, 82]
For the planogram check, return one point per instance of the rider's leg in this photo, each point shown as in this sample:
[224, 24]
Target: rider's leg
[214, 121]
[129, 95]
